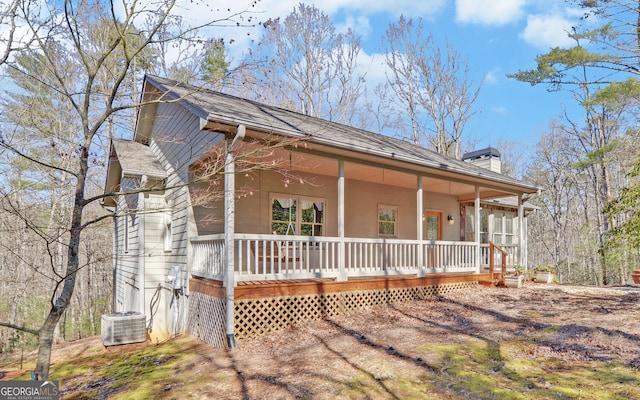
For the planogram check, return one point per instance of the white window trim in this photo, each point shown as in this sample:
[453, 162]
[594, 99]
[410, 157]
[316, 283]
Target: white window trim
[297, 224]
[395, 222]
[168, 226]
[501, 216]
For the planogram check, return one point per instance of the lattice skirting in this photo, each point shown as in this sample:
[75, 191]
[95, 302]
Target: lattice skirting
[255, 317]
[206, 319]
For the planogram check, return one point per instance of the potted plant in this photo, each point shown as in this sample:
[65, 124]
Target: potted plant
[515, 278]
[636, 276]
[544, 273]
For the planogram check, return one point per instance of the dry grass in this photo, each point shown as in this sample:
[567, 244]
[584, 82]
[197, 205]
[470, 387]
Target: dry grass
[539, 342]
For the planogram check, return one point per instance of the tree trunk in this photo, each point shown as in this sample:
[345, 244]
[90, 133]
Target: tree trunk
[43, 361]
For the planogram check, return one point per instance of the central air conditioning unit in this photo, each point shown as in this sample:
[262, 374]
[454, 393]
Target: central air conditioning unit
[123, 328]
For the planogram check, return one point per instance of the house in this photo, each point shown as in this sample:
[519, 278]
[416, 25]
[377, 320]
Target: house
[234, 218]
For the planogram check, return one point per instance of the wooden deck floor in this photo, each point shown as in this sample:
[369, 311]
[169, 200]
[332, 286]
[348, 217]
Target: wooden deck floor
[295, 287]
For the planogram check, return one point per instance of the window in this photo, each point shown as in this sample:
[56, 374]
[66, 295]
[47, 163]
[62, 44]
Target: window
[433, 225]
[387, 221]
[297, 215]
[168, 229]
[469, 225]
[503, 227]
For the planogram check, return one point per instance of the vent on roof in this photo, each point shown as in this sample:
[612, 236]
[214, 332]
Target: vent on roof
[123, 328]
[488, 158]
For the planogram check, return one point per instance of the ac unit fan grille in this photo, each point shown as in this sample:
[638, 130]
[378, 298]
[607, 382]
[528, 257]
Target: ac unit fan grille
[123, 328]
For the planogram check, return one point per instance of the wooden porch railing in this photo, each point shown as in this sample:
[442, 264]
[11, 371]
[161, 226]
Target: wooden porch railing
[503, 253]
[271, 257]
[511, 251]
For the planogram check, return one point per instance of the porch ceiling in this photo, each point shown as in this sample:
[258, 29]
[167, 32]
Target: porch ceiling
[449, 183]
[315, 164]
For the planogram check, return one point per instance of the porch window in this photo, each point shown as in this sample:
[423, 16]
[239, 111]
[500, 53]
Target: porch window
[433, 225]
[469, 225]
[312, 221]
[297, 215]
[387, 221]
[503, 227]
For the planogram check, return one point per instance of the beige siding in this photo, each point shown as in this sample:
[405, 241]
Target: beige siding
[253, 212]
[361, 208]
[447, 205]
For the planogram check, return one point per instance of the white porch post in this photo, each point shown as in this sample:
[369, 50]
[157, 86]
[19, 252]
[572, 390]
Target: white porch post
[522, 260]
[476, 228]
[342, 274]
[419, 208]
[229, 235]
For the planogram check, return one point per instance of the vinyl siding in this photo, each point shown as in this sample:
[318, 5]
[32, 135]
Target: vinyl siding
[127, 285]
[177, 142]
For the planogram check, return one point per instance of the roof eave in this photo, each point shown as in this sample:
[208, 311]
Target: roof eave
[221, 124]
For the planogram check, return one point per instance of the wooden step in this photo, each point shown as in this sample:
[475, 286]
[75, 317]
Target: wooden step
[489, 282]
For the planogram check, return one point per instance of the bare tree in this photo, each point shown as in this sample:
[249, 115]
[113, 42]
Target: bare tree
[599, 70]
[94, 98]
[303, 64]
[431, 84]
[552, 169]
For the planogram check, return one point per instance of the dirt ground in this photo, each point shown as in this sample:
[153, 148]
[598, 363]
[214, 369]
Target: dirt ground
[484, 343]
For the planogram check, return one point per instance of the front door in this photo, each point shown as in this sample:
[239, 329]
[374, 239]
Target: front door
[433, 225]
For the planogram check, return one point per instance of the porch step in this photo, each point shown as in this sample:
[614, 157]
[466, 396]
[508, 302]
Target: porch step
[489, 282]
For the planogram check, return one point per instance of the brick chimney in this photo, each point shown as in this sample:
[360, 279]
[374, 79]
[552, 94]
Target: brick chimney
[488, 158]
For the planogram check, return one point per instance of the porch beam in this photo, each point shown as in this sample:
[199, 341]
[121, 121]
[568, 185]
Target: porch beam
[419, 211]
[476, 228]
[498, 189]
[342, 275]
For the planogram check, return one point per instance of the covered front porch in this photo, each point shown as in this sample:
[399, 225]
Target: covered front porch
[332, 221]
[277, 281]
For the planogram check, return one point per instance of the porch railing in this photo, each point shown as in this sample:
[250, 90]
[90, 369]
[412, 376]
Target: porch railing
[272, 257]
[510, 253]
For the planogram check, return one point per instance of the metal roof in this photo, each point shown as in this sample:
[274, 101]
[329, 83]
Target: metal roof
[488, 152]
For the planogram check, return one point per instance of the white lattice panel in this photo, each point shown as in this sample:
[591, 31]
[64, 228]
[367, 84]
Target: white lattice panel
[255, 317]
[207, 319]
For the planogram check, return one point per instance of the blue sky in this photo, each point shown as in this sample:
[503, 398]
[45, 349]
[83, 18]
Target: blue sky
[497, 37]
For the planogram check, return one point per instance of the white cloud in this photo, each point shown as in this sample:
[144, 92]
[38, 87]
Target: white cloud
[491, 77]
[360, 25]
[373, 65]
[499, 109]
[489, 12]
[351, 13]
[547, 31]
[410, 8]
